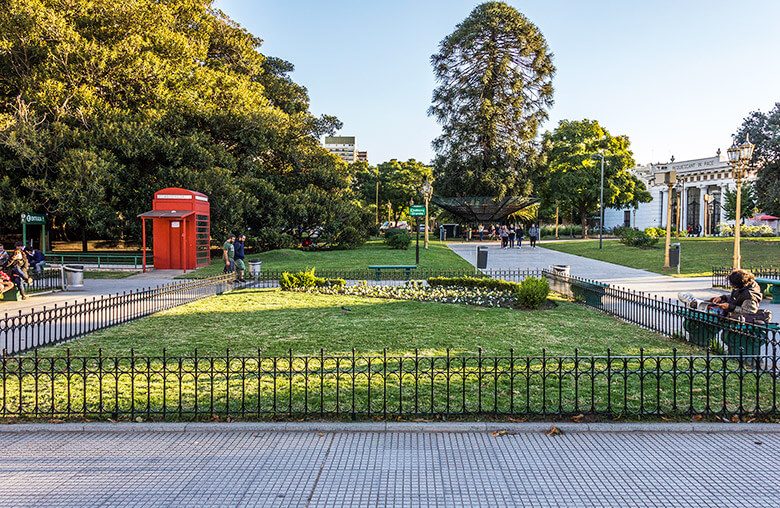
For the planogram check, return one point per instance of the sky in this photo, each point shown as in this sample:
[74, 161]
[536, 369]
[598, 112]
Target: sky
[676, 77]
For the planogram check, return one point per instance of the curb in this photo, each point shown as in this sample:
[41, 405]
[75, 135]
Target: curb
[408, 427]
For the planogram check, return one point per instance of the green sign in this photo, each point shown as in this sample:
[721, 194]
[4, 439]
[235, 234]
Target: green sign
[34, 218]
[417, 210]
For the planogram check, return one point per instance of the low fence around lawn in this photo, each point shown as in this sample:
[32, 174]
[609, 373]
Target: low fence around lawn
[382, 386]
[51, 325]
[720, 275]
[50, 279]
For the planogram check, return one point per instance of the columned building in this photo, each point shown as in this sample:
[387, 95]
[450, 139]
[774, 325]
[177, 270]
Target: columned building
[697, 197]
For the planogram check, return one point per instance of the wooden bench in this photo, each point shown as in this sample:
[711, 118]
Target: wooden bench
[772, 284]
[378, 270]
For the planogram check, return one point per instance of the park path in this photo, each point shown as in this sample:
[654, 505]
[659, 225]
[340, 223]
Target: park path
[617, 275]
[221, 467]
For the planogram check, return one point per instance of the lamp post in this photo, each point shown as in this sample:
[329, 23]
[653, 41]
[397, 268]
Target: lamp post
[427, 193]
[669, 178]
[739, 158]
[601, 197]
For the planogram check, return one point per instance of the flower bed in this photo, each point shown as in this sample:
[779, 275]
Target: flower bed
[417, 291]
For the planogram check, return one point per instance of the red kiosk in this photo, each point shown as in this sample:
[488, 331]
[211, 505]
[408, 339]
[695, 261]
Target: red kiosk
[181, 221]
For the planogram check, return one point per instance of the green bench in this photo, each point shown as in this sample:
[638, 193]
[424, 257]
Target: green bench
[378, 270]
[703, 327]
[772, 284]
[591, 292]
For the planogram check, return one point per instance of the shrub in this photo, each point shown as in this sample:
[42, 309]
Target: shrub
[473, 282]
[398, 238]
[634, 238]
[307, 279]
[532, 292]
[655, 232]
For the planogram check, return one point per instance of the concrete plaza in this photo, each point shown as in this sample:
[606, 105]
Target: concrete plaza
[414, 465]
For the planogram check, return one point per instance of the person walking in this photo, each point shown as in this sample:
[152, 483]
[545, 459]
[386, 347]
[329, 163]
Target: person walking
[481, 230]
[504, 237]
[229, 254]
[238, 245]
[533, 235]
[512, 236]
[519, 235]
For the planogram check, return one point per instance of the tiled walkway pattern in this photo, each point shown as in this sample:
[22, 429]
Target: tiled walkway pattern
[393, 469]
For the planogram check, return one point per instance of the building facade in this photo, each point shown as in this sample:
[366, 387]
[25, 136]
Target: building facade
[697, 197]
[343, 146]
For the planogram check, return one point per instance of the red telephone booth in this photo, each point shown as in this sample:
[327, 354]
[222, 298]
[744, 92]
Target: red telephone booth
[181, 221]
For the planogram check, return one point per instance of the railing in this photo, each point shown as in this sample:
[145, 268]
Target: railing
[49, 279]
[51, 325]
[101, 260]
[383, 386]
[269, 278]
[720, 274]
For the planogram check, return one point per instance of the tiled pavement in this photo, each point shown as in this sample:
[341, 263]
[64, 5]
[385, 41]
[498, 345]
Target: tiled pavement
[389, 469]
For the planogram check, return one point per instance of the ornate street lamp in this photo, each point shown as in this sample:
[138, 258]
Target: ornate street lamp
[427, 191]
[739, 158]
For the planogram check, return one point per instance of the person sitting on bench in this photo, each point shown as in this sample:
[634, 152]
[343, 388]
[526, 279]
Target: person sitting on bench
[17, 270]
[36, 259]
[744, 299]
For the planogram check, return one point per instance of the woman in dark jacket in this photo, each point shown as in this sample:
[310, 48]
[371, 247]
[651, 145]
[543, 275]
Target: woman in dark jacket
[744, 298]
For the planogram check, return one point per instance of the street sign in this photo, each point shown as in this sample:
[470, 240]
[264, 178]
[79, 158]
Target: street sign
[33, 218]
[417, 210]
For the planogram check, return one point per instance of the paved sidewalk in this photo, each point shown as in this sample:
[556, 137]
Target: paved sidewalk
[617, 275]
[301, 468]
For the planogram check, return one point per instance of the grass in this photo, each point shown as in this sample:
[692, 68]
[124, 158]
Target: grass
[374, 252]
[268, 384]
[698, 255]
[276, 321]
[107, 274]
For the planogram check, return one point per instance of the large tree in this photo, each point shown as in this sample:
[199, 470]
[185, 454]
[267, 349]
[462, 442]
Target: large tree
[748, 204]
[572, 176]
[494, 75]
[399, 183]
[103, 103]
[764, 130]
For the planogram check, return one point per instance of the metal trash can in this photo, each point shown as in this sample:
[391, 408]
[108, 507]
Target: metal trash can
[254, 268]
[674, 254]
[482, 257]
[74, 276]
[564, 270]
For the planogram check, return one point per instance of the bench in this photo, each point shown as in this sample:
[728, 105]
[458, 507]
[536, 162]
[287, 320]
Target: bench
[772, 284]
[703, 328]
[591, 292]
[378, 270]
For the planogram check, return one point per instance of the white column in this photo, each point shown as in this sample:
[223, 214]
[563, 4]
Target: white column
[702, 207]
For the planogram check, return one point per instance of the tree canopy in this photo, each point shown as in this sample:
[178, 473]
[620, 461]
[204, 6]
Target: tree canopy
[494, 75]
[102, 103]
[571, 176]
[748, 205]
[764, 130]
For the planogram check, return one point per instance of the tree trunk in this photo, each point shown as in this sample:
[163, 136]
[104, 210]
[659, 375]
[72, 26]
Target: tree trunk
[584, 222]
[84, 246]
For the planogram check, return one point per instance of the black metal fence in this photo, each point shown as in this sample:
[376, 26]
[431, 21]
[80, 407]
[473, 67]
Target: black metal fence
[25, 331]
[720, 274]
[398, 277]
[383, 386]
[48, 280]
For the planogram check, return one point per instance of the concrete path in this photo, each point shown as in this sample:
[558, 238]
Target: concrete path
[617, 275]
[220, 467]
[93, 288]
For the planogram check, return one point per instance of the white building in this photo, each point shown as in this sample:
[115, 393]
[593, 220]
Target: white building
[343, 146]
[696, 178]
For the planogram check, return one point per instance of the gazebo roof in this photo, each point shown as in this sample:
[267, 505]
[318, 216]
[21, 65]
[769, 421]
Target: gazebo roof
[484, 209]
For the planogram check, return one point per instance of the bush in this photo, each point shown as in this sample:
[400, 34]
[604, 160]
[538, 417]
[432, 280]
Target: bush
[307, 279]
[398, 238]
[532, 292]
[634, 238]
[473, 282]
[655, 232]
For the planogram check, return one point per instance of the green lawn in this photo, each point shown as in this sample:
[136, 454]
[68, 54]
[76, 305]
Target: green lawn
[698, 255]
[276, 321]
[108, 275]
[437, 257]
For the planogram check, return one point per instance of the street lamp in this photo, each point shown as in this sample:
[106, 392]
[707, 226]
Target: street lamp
[739, 158]
[669, 178]
[601, 197]
[427, 191]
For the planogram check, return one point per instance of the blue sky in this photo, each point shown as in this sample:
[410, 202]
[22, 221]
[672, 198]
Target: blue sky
[677, 77]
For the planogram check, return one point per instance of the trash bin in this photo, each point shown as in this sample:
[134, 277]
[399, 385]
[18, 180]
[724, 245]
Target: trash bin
[674, 254]
[563, 270]
[254, 268]
[74, 276]
[482, 256]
